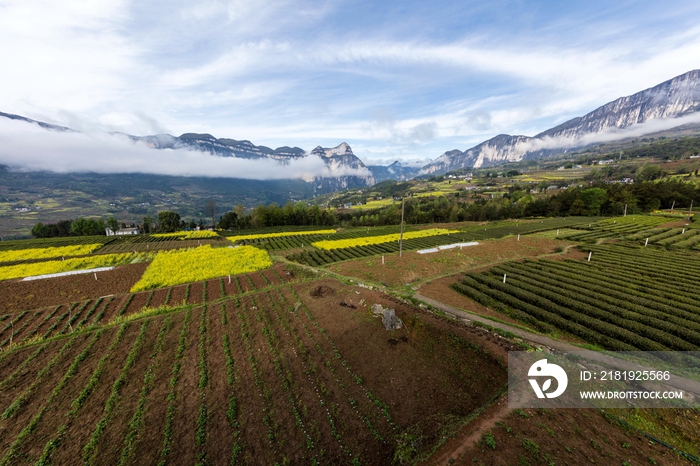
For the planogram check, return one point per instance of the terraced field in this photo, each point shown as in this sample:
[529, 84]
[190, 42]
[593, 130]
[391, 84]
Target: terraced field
[616, 228]
[283, 366]
[318, 257]
[252, 371]
[623, 299]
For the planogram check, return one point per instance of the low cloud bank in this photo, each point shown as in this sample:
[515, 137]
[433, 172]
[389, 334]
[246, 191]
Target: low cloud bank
[632, 131]
[27, 147]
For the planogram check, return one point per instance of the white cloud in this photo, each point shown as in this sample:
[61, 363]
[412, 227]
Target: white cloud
[636, 130]
[28, 147]
[284, 72]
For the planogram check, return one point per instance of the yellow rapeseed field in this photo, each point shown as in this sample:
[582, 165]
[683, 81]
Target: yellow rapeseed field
[277, 235]
[188, 234]
[202, 263]
[47, 253]
[367, 240]
[9, 272]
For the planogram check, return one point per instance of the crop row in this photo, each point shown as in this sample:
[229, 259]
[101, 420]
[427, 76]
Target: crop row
[12, 451]
[46, 253]
[315, 257]
[379, 405]
[294, 240]
[612, 301]
[672, 268]
[9, 272]
[338, 388]
[267, 236]
[374, 240]
[17, 245]
[157, 244]
[187, 234]
[36, 325]
[620, 227]
[669, 237]
[281, 373]
[79, 402]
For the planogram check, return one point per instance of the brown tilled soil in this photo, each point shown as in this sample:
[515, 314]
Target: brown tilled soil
[213, 289]
[315, 377]
[258, 281]
[159, 297]
[284, 360]
[177, 296]
[17, 295]
[555, 436]
[414, 267]
[196, 296]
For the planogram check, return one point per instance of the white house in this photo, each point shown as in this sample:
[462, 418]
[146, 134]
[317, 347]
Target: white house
[122, 231]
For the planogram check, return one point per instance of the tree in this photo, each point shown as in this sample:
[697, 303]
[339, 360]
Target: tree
[147, 221]
[228, 221]
[648, 172]
[112, 224]
[210, 210]
[40, 231]
[168, 221]
[593, 198]
[87, 226]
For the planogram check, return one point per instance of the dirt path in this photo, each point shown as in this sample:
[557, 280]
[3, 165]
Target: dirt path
[458, 446]
[499, 410]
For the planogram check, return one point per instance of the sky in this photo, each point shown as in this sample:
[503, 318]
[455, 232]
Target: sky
[397, 80]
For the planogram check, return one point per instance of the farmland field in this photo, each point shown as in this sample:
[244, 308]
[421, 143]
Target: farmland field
[287, 364]
[91, 380]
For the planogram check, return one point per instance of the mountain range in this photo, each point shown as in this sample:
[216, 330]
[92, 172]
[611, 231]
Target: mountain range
[671, 99]
[667, 102]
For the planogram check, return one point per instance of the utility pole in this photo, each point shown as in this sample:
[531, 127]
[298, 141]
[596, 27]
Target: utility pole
[403, 200]
[690, 212]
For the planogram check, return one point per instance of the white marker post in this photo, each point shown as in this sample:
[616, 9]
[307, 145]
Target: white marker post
[557, 232]
[382, 260]
[646, 242]
[504, 278]
[518, 240]
[683, 232]
[590, 253]
[95, 274]
[229, 279]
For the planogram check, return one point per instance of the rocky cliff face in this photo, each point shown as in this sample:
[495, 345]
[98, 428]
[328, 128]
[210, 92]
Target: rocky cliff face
[346, 170]
[222, 147]
[671, 99]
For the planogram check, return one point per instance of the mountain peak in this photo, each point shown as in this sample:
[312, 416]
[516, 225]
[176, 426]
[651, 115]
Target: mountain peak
[197, 136]
[342, 149]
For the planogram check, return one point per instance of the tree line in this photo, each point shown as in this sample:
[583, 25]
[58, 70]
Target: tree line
[598, 198]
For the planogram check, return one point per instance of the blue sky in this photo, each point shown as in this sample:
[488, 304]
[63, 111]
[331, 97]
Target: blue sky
[403, 80]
